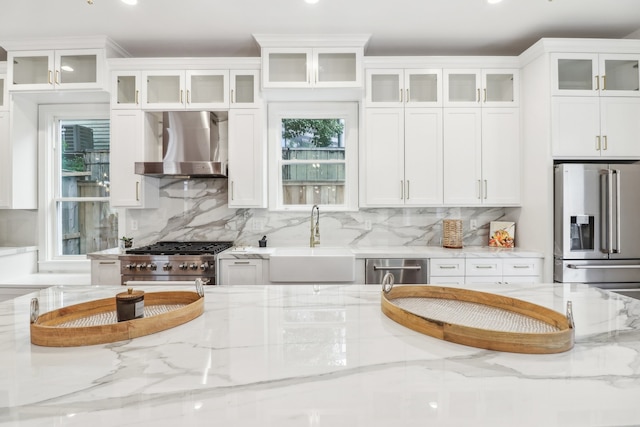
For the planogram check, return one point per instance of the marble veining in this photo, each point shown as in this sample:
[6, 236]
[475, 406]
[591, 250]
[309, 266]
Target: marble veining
[320, 356]
[197, 209]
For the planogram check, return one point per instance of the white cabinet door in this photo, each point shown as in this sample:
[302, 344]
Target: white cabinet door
[125, 89]
[4, 93]
[245, 89]
[6, 166]
[105, 272]
[481, 87]
[446, 267]
[575, 127]
[384, 157]
[385, 88]
[286, 67]
[423, 156]
[620, 126]
[337, 67]
[500, 156]
[241, 272]
[462, 156]
[462, 88]
[207, 89]
[422, 88]
[31, 70]
[127, 147]
[483, 267]
[247, 172]
[163, 90]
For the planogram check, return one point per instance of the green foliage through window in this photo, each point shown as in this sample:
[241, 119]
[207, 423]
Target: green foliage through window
[312, 132]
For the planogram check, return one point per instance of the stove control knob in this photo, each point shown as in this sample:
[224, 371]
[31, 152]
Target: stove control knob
[166, 266]
[183, 266]
[152, 267]
[193, 267]
[142, 266]
[204, 267]
[130, 266]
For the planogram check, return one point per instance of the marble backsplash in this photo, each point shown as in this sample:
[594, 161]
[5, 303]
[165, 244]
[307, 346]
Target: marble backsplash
[197, 209]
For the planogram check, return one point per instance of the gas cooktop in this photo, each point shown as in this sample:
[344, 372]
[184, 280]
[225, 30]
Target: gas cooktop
[181, 248]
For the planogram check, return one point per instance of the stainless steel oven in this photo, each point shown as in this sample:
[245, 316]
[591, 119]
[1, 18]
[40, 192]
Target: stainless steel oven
[170, 262]
[405, 271]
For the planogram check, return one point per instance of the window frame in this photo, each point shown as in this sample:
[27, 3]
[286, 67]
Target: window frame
[49, 144]
[349, 111]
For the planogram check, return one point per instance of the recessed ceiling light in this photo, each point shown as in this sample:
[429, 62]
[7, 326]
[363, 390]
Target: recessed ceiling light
[311, 1]
[131, 2]
[493, 1]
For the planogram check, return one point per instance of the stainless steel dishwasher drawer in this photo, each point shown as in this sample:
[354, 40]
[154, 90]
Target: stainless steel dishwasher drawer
[405, 271]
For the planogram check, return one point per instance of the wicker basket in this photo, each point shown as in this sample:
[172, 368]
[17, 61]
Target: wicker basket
[452, 233]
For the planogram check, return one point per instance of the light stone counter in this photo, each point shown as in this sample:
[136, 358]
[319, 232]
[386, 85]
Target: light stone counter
[320, 356]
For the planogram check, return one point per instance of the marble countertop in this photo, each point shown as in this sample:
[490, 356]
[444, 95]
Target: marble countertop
[320, 356]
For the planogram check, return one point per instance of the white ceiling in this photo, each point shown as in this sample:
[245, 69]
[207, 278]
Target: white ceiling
[397, 27]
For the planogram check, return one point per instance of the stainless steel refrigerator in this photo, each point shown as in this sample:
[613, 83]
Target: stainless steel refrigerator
[597, 225]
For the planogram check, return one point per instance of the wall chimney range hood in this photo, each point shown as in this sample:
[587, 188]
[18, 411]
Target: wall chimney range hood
[194, 145]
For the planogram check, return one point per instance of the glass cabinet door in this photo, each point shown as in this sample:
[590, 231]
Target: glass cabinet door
[500, 88]
[574, 74]
[76, 69]
[244, 89]
[462, 88]
[31, 70]
[619, 75]
[207, 88]
[384, 87]
[335, 67]
[423, 88]
[163, 89]
[286, 67]
[125, 91]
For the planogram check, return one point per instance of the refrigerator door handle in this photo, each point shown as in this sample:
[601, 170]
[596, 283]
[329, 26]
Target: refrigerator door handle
[609, 211]
[606, 267]
[616, 174]
[605, 206]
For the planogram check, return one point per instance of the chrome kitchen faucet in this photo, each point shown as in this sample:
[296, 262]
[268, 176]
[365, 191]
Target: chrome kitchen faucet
[314, 239]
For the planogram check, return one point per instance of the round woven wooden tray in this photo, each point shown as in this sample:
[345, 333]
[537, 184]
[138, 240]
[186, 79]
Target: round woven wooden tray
[95, 322]
[479, 319]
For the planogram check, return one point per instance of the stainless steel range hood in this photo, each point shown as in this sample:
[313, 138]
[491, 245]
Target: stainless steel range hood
[194, 145]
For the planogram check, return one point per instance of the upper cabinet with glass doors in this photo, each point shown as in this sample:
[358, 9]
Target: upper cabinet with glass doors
[580, 74]
[190, 89]
[404, 87]
[312, 61]
[481, 88]
[56, 69]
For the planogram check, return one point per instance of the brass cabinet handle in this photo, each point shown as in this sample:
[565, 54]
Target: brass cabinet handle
[233, 97]
[181, 94]
[485, 189]
[605, 145]
[241, 262]
[597, 82]
[231, 190]
[401, 189]
[137, 97]
[407, 97]
[485, 95]
[137, 191]
[50, 75]
[447, 267]
[478, 190]
[407, 189]
[188, 96]
[483, 266]
[598, 143]
[521, 266]
[401, 100]
[604, 82]
[57, 77]
[478, 96]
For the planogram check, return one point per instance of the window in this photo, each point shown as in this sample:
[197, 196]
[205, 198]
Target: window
[313, 155]
[78, 216]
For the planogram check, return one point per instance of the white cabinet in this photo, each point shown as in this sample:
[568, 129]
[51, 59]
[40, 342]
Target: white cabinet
[446, 271]
[595, 127]
[241, 272]
[185, 89]
[19, 156]
[403, 157]
[105, 272]
[479, 271]
[127, 147]
[56, 69]
[592, 74]
[298, 67]
[521, 270]
[4, 93]
[481, 156]
[404, 88]
[481, 87]
[125, 89]
[247, 171]
[245, 90]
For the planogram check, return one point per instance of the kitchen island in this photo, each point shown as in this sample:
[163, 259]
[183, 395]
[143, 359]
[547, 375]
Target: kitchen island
[310, 355]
